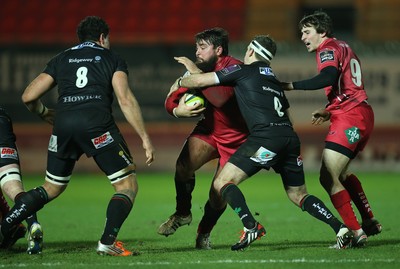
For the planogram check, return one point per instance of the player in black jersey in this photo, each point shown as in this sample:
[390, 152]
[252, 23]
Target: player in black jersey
[272, 141]
[11, 185]
[87, 76]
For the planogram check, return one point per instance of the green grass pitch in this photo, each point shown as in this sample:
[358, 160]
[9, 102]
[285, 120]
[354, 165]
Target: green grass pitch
[73, 223]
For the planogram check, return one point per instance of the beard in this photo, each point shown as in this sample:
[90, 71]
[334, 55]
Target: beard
[207, 66]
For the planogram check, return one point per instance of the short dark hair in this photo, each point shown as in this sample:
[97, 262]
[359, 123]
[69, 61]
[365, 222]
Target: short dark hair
[320, 21]
[90, 29]
[267, 43]
[215, 36]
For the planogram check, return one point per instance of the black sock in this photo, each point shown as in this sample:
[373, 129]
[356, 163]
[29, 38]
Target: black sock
[32, 218]
[209, 219]
[184, 195]
[117, 211]
[234, 197]
[25, 205]
[316, 208]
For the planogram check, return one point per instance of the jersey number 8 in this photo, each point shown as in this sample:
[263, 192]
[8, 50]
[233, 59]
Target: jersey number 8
[278, 107]
[81, 77]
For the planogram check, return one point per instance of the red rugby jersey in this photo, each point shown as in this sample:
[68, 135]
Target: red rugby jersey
[222, 116]
[349, 90]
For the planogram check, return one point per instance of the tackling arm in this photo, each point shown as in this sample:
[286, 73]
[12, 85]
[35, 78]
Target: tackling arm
[327, 77]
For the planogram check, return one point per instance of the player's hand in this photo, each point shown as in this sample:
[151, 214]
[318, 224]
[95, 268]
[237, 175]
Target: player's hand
[150, 151]
[319, 116]
[49, 116]
[174, 87]
[185, 111]
[189, 64]
[287, 86]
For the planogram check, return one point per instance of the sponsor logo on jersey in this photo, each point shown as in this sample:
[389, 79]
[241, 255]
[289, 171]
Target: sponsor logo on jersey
[8, 153]
[353, 135]
[77, 61]
[97, 59]
[263, 156]
[103, 140]
[266, 71]
[326, 55]
[230, 69]
[268, 89]
[80, 98]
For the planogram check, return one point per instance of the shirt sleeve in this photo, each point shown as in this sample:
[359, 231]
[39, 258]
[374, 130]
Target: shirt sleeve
[50, 68]
[327, 77]
[121, 64]
[172, 101]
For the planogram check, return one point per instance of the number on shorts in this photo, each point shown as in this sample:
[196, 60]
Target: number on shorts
[81, 77]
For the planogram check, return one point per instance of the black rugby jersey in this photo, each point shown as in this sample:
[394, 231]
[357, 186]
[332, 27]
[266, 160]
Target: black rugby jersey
[84, 74]
[261, 99]
[7, 136]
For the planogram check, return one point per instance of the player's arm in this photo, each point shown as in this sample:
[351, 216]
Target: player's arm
[36, 89]
[195, 81]
[175, 105]
[327, 77]
[191, 67]
[199, 80]
[132, 112]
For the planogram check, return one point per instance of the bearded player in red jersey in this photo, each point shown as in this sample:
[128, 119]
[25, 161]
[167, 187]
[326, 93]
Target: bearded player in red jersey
[351, 117]
[218, 134]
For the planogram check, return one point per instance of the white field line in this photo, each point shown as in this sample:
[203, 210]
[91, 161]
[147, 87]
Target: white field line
[269, 261]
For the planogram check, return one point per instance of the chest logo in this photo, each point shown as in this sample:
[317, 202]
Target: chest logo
[326, 55]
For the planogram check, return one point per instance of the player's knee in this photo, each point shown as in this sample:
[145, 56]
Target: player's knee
[184, 170]
[131, 194]
[53, 190]
[296, 194]
[128, 185]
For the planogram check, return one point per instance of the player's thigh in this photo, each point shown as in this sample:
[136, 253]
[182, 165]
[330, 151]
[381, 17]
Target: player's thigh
[58, 175]
[334, 163]
[196, 152]
[116, 162]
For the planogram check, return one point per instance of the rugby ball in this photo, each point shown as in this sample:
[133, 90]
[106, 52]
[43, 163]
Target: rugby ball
[193, 98]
